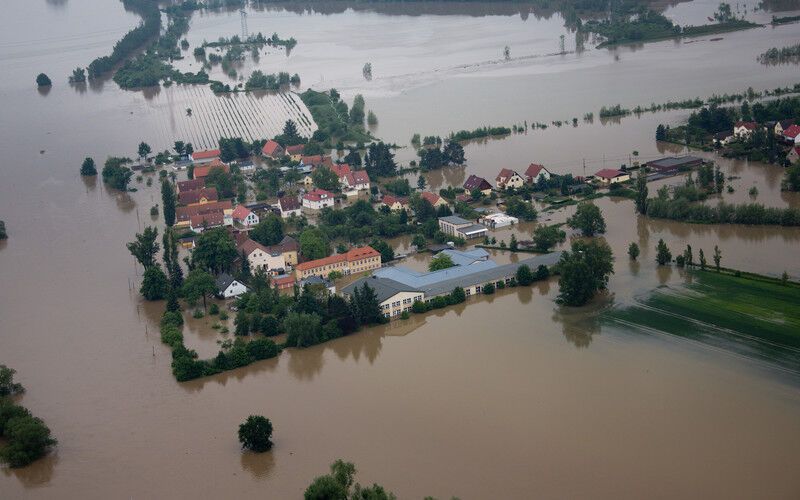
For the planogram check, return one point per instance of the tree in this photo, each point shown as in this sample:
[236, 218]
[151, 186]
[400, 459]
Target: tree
[687, 256]
[255, 433]
[43, 80]
[144, 149]
[268, 231]
[325, 178]
[290, 130]
[513, 245]
[145, 247]
[7, 385]
[302, 329]
[357, 111]
[421, 183]
[419, 241]
[453, 152]
[28, 438]
[168, 202]
[198, 284]
[717, 257]
[546, 237]
[214, 250]
[115, 174]
[180, 148]
[641, 191]
[387, 252]
[663, 255]
[314, 244]
[588, 219]
[458, 295]
[719, 179]
[584, 271]
[154, 284]
[3, 233]
[517, 207]
[221, 180]
[703, 262]
[524, 275]
[441, 261]
[87, 167]
[379, 161]
[334, 486]
[793, 177]
[633, 251]
[661, 133]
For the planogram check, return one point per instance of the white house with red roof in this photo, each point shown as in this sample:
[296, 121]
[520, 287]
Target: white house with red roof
[534, 171]
[244, 216]
[356, 181]
[508, 178]
[743, 130]
[317, 199]
[272, 149]
[792, 134]
[261, 257]
[340, 169]
[207, 156]
[612, 176]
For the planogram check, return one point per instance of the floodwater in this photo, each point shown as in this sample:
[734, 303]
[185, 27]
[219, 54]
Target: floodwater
[507, 396]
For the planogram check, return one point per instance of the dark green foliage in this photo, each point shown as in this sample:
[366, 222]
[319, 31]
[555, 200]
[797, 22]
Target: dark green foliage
[332, 117]
[542, 273]
[43, 80]
[28, 440]
[337, 486]
[663, 255]
[171, 335]
[269, 230]
[399, 187]
[154, 284]
[7, 385]
[88, 168]
[379, 161]
[116, 175]
[255, 433]
[546, 237]
[3, 233]
[441, 261]
[324, 178]
[314, 244]
[214, 250]
[524, 275]
[517, 207]
[145, 247]
[641, 192]
[387, 252]
[633, 251]
[168, 200]
[302, 330]
[583, 271]
[488, 289]
[478, 133]
[262, 349]
[793, 178]
[588, 219]
[199, 284]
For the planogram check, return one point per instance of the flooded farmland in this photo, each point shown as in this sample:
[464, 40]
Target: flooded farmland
[507, 395]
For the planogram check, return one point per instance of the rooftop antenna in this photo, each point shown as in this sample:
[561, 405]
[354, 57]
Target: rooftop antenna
[243, 14]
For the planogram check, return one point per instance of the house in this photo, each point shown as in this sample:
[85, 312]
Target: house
[474, 182]
[782, 125]
[283, 281]
[794, 155]
[355, 260]
[317, 199]
[340, 169]
[295, 152]
[228, 287]
[244, 216]
[611, 176]
[261, 257]
[316, 161]
[198, 196]
[203, 171]
[316, 281]
[200, 222]
[272, 149]
[288, 247]
[202, 157]
[183, 215]
[534, 171]
[498, 220]
[356, 181]
[246, 166]
[433, 198]
[673, 164]
[454, 225]
[743, 130]
[395, 203]
[191, 185]
[723, 138]
[508, 178]
[289, 205]
[792, 134]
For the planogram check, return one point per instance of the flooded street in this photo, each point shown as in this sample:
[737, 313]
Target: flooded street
[506, 396]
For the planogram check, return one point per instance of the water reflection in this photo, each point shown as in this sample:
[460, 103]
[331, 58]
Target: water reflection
[43, 91]
[259, 465]
[38, 474]
[305, 364]
[579, 325]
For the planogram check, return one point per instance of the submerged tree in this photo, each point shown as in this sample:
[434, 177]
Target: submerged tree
[633, 251]
[255, 433]
[588, 219]
[663, 255]
[583, 271]
[43, 80]
[87, 167]
[145, 247]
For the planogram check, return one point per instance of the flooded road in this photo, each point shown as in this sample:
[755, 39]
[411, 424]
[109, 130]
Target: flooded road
[506, 396]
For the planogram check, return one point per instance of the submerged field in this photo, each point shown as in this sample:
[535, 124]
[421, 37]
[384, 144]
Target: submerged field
[752, 317]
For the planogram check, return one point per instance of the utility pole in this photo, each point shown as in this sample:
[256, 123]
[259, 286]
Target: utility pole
[561, 44]
[243, 14]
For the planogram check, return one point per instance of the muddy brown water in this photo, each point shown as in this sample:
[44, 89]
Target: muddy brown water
[508, 395]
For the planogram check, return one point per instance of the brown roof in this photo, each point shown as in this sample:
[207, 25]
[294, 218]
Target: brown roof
[390, 199]
[357, 177]
[212, 219]
[289, 203]
[205, 155]
[317, 195]
[504, 174]
[186, 213]
[608, 173]
[475, 182]
[340, 169]
[296, 149]
[270, 147]
[249, 246]
[191, 185]
[534, 170]
[432, 198]
[241, 212]
[191, 197]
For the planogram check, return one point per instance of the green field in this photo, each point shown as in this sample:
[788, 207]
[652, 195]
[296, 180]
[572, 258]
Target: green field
[756, 318]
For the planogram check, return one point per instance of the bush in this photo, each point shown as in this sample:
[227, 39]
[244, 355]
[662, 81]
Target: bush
[542, 273]
[255, 433]
[198, 313]
[223, 315]
[171, 336]
[213, 309]
[419, 307]
[488, 289]
[405, 315]
[262, 349]
[173, 318]
[524, 275]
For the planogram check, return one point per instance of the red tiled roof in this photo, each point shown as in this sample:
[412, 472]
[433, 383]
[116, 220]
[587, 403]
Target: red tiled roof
[357, 177]
[241, 212]
[747, 125]
[270, 147]
[534, 170]
[351, 255]
[390, 199]
[205, 155]
[296, 149]
[211, 219]
[608, 173]
[432, 198]
[317, 195]
[792, 132]
[340, 169]
[283, 281]
[204, 170]
[190, 197]
[475, 182]
[504, 174]
[191, 185]
[186, 213]
[289, 203]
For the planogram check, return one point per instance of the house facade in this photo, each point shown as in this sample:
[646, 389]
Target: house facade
[792, 134]
[183, 215]
[794, 155]
[261, 257]
[356, 181]
[534, 171]
[395, 203]
[508, 178]
[295, 152]
[201, 172]
[201, 222]
[743, 130]
[609, 176]
[454, 225]
[289, 205]
[434, 199]
[228, 287]
[355, 260]
[244, 216]
[317, 199]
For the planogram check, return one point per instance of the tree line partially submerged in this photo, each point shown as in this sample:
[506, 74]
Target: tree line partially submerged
[26, 438]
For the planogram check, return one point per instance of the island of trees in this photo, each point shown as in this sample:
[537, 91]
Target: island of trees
[25, 437]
